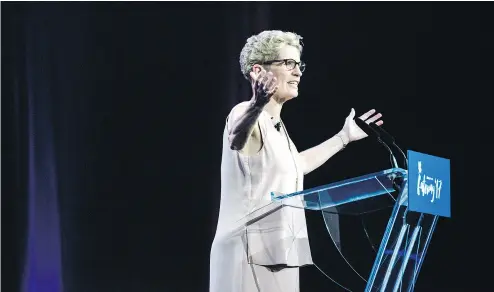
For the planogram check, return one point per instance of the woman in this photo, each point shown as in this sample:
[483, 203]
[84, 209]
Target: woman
[258, 158]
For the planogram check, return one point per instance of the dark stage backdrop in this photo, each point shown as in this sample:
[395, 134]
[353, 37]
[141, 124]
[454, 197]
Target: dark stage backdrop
[113, 116]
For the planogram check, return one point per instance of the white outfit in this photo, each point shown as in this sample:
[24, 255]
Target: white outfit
[239, 252]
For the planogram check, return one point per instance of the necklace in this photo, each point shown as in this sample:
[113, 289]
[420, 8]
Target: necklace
[291, 153]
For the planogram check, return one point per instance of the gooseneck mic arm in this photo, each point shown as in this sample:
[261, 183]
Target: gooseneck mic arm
[389, 140]
[376, 134]
[385, 139]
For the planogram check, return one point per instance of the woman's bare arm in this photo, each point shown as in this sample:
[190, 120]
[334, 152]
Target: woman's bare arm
[244, 127]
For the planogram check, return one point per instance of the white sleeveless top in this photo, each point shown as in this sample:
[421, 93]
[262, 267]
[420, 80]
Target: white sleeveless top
[246, 185]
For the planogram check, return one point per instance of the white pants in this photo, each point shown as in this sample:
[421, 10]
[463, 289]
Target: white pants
[230, 272]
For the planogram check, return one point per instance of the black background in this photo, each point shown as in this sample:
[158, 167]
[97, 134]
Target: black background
[139, 96]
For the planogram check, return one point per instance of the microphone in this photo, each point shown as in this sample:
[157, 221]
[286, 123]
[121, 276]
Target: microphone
[385, 139]
[278, 126]
[376, 134]
[390, 140]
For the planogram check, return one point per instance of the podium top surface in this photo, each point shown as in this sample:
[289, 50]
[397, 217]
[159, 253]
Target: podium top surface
[346, 191]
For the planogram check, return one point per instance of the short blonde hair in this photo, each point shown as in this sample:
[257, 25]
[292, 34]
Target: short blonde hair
[265, 47]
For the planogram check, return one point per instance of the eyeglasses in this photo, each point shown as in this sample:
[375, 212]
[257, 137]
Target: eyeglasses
[289, 63]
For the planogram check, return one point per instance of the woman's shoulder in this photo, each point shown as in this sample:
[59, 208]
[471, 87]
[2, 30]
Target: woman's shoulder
[239, 107]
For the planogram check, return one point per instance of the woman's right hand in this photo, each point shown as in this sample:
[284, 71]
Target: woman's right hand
[264, 87]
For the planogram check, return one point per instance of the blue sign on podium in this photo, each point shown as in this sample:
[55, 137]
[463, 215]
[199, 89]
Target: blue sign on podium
[429, 184]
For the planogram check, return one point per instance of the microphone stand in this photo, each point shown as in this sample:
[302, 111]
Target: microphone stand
[390, 139]
[398, 181]
[378, 133]
[375, 133]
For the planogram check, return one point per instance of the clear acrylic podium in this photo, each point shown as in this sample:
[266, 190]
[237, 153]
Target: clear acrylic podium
[396, 262]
